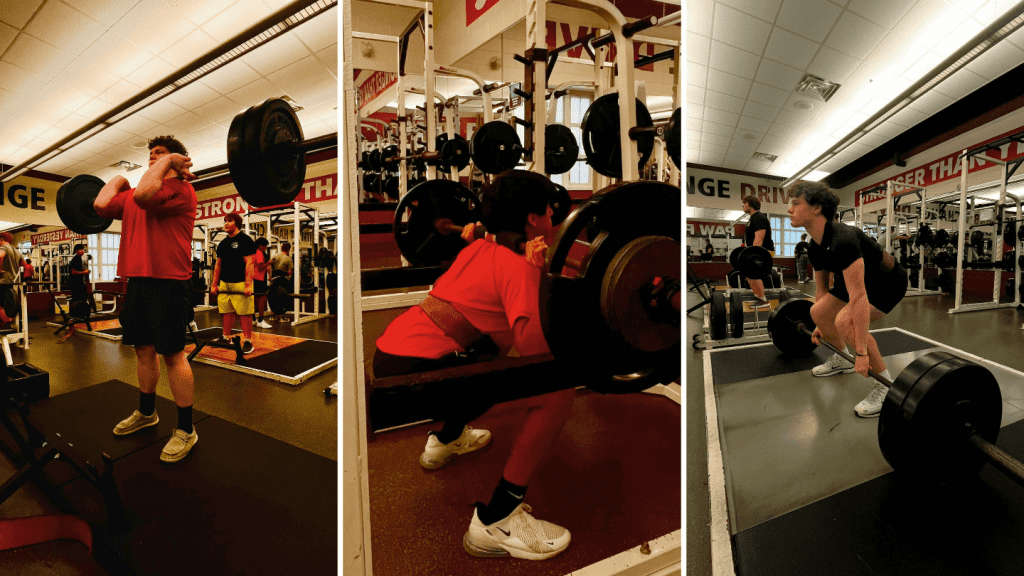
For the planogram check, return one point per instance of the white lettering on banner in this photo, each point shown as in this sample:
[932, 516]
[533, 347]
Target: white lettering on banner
[316, 189]
[373, 86]
[55, 236]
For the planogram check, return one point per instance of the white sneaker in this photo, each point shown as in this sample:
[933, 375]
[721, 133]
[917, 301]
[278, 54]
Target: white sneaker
[520, 535]
[871, 406]
[436, 454]
[835, 364]
[262, 324]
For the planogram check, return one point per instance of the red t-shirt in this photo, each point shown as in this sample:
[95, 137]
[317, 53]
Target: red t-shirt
[260, 259]
[28, 270]
[156, 242]
[492, 287]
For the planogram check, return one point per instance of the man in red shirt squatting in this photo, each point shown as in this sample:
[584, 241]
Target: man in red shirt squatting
[157, 219]
[489, 290]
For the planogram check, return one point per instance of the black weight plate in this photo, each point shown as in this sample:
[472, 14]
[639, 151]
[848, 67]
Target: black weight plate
[1010, 233]
[569, 307]
[782, 327]
[75, 205]
[921, 429]
[386, 157]
[734, 256]
[455, 153]
[561, 149]
[734, 279]
[561, 205]
[415, 233]
[267, 168]
[719, 318]
[736, 313]
[978, 240]
[391, 187]
[496, 147]
[754, 262]
[633, 270]
[1009, 287]
[940, 239]
[674, 140]
[600, 128]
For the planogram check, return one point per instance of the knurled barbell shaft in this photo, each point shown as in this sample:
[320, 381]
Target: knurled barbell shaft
[802, 328]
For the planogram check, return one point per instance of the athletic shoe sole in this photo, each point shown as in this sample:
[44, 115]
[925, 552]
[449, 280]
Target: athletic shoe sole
[836, 371]
[434, 465]
[499, 551]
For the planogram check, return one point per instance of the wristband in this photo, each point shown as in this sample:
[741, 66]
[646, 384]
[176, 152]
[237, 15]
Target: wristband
[865, 354]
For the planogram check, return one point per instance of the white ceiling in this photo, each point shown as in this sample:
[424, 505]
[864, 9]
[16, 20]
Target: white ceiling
[745, 57]
[62, 64]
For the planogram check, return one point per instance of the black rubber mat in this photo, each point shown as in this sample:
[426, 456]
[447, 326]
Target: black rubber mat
[239, 503]
[885, 526]
[86, 418]
[112, 331]
[297, 359]
[741, 364]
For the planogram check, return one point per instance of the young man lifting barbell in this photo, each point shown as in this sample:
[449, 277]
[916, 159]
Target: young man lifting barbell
[758, 233]
[234, 273]
[868, 284]
[157, 218]
[489, 291]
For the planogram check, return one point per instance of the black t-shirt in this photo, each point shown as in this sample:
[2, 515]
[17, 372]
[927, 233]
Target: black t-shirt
[77, 280]
[231, 253]
[801, 247]
[842, 245]
[758, 221]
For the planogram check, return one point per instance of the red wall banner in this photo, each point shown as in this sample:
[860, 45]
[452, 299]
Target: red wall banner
[477, 8]
[376, 84]
[55, 236]
[313, 190]
[947, 167]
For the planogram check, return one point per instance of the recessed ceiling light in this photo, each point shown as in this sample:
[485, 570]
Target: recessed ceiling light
[803, 105]
[748, 135]
[138, 144]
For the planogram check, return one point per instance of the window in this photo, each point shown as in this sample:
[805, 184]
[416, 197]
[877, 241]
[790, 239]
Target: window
[573, 107]
[785, 236]
[103, 248]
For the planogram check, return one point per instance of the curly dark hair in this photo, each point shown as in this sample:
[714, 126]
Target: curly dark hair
[234, 218]
[512, 195]
[752, 201]
[816, 194]
[169, 142]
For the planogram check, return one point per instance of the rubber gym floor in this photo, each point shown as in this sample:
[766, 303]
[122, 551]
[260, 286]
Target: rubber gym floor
[299, 416]
[994, 335]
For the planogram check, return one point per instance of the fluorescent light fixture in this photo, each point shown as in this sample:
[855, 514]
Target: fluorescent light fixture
[11, 175]
[816, 175]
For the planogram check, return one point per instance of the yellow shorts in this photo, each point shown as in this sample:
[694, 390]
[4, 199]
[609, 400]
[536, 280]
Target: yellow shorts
[231, 303]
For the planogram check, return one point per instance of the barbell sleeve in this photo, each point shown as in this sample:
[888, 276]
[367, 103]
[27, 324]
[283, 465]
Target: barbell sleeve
[1004, 462]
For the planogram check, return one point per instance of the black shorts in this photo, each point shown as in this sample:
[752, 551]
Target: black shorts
[156, 313]
[884, 292]
[259, 287]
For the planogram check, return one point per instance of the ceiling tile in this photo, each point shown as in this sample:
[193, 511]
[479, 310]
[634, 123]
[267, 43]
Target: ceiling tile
[717, 129]
[855, 36]
[149, 74]
[763, 9]
[18, 80]
[714, 143]
[724, 82]
[213, 133]
[137, 124]
[740, 30]
[59, 25]
[720, 101]
[960, 84]
[775, 140]
[103, 10]
[276, 54]
[698, 49]
[787, 118]
[695, 95]
[780, 130]
[743, 144]
[931, 102]
[760, 111]
[199, 12]
[193, 96]
[696, 75]
[161, 111]
[189, 48]
[66, 98]
[872, 139]
[752, 124]
[114, 135]
[698, 16]
[895, 53]
[694, 124]
[720, 116]
[964, 31]
[733, 60]
[137, 26]
[888, 130]
[230, 77]
[832, 65]
[18, 12]
[768, 95]
[87, 78]
[810, 18]
[319, 32]
[923, 66]
[882, 12]
[329, 58]
[73, 122]
[734, 162]
[758, 166]
[93, 108]
[790, 49]
[997, 60]
[115, 54]
[907, 117]
[254, 93]
[120, 92]
[33, 54]
[778, 75]
[694, 111]
[237, 17]
[186, 124]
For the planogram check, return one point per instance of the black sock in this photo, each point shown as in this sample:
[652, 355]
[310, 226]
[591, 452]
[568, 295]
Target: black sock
[185, 418]
[450, 432]
[147, 403]
[504, 500]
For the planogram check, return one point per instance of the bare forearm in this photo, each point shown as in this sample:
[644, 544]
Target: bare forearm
[152, 181]
[109, 190]
[860, 316]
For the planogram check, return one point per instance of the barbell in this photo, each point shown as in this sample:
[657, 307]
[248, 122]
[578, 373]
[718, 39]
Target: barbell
[496, 147]
[600, 128]
[266, 158]
[940, 418]
[422, 209]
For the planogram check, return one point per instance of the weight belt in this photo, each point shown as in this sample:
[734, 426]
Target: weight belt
[451, 322]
